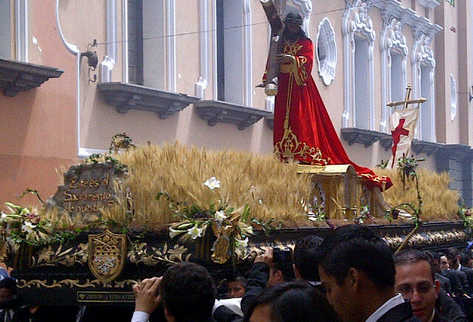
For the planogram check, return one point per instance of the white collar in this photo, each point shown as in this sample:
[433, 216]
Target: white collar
[392, 302]
[459, 267]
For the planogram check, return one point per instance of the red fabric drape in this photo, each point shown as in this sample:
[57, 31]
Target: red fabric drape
[303, 130]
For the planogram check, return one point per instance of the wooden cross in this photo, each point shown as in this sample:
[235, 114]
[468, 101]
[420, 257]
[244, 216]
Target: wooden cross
[407, 101]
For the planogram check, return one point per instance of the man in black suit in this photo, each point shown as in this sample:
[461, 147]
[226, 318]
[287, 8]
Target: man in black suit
[453, 256]
[357, 270]
[415, 280]
[445, 283]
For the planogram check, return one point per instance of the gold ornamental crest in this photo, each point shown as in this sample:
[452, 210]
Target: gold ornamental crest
[107, 255]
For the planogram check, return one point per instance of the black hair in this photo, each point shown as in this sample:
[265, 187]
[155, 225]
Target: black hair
[294, 301]
[452, 253]
[285, 265]
[413, 256]
[188, 292]
[239, 279]
[354, 246]
[9, 283]
[465, 257]
[306, 253]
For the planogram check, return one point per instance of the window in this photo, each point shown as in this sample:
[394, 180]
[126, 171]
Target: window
[362, 90]
[397, 81]
[453, 97]
[358, 45]
[230, 76]
[5, 29]
[146, 43]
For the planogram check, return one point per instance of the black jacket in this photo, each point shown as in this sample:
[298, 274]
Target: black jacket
[257, 278]
[446, 309]
[399, 313]
[444, 283]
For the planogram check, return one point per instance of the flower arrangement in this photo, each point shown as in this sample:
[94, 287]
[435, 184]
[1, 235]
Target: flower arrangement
[23, 225]
[230, 226]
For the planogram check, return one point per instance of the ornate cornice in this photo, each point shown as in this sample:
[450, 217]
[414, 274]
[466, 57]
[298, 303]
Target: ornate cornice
[127, 97]
[357, 21]
[223, 112]
[394, 38]
[17, 77]
[393, 9]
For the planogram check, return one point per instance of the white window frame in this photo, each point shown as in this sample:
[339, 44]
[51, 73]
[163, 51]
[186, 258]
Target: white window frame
[392, 40]
[170, 50]
[357, 23]
[326, 42]
[423, 56]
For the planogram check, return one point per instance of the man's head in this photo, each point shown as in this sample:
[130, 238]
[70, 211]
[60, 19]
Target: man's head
[444, 266]
[416, 282]
[236, 287]
[280, 269]
[188, 293]
[356, 269]
[466, 259]
[7, 290]
[453, 256]
[306, 253]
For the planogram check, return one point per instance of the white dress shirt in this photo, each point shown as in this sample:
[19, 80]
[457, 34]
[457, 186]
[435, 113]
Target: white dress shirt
[392, 302]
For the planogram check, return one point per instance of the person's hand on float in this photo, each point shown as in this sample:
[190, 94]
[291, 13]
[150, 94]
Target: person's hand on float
[266, 257]
[147, 297]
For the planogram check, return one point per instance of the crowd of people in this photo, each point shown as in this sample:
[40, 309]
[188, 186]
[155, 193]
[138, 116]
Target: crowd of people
[350, 276]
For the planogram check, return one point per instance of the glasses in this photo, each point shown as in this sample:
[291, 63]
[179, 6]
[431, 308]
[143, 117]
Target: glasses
[422, 288]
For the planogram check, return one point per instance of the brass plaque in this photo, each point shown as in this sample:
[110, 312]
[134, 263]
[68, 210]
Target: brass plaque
[105, 297]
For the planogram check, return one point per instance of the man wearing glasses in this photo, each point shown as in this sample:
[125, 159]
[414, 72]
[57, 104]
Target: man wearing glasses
[415, 280]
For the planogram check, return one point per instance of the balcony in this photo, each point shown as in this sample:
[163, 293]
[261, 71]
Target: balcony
[127, 97]
[223, 112]
[18, 77]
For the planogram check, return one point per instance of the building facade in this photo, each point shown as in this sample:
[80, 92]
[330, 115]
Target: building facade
[187, 70]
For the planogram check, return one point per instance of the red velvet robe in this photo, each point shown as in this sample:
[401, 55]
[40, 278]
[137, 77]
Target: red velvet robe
[303, 130]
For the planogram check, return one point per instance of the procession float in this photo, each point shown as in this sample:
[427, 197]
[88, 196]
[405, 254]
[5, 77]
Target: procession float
[127, 214]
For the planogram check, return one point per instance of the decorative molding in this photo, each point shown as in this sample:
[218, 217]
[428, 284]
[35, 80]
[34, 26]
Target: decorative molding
[171, 44]
[326, 51]
[17, 77]
[419, 146]
[223, 112]
[362, 136]
[204, 44]
[406, 15]
[392, 41]
[356, 24]
[453, 97]
[108, 62]
[70, 283]
[126, 97]
[386, 140]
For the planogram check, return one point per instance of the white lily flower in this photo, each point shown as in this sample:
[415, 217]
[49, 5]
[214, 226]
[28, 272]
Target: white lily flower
[175, 232]
[241, 242]
[28, 227]
[212, 183]
[195, 232]
[245, 229]
[220, 216]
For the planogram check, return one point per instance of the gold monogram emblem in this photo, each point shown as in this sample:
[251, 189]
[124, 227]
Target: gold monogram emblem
[107, 254]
